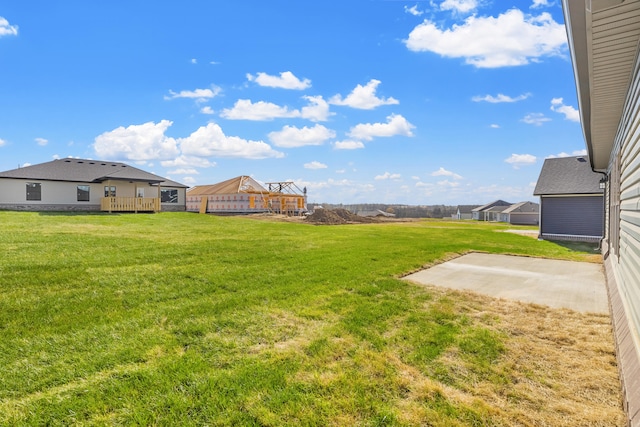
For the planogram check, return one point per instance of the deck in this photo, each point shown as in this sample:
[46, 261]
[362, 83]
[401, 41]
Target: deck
[130, 204]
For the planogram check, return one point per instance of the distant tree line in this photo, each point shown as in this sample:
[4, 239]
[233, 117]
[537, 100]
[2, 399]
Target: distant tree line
[400, 211]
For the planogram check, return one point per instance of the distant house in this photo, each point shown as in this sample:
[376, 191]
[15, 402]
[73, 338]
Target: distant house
[244, 195]
[484, 213]
[571, 200]
[88, 185]
[464, 212]
[523, 213]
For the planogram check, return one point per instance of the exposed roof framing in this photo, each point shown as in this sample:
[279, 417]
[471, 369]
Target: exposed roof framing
[287, 187]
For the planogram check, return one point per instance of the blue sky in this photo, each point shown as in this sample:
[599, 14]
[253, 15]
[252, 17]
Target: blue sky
[428, 102]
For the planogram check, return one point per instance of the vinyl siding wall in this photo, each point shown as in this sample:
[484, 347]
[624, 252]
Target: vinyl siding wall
[624, 210]
[571, 216]
[62, 195]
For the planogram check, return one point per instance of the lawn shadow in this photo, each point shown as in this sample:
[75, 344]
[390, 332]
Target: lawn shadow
[577, 246]
[76, 213]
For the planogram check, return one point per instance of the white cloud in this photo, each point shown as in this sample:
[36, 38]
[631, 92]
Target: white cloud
[387, 175]
[460, 6]
[210, 141]
[363, 97]
[413, 10]
[396, 125]
[188, 180]
[510, 39]
[536, 119]
[443, 172]
[6, 29]
[517, 160]
[315, 165]
[2, 142]
[582, 152]
[569, 112]
[188, 161]
[286, 80]
[421, 184]
[148, 142]
[500, 98]
[448, 184]
[41, 141]
[137, 142]
[244, 109]
[348, 144]
[200, 95]
[291, 136]
[539, 3]
[494, 126]
[207, 110]
[194, 61]
[317, 110]
[184, 171]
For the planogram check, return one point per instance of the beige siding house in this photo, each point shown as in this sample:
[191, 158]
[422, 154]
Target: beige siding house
[88, 185]
[604, 37]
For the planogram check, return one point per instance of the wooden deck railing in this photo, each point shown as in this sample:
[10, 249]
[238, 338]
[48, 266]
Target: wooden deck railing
[130, 204]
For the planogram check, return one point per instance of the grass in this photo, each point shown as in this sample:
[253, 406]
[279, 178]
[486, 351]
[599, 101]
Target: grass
[185, 319]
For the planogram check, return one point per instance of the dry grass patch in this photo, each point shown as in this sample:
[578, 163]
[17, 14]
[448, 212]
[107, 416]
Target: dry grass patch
[558, 366]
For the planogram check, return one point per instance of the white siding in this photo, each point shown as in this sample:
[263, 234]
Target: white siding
[624, 216]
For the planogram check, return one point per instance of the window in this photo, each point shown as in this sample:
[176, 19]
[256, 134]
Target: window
[34, 191]
[140, 192]
[169, 196]
[83, 193]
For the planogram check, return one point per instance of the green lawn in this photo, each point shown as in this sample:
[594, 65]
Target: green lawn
[187, 319]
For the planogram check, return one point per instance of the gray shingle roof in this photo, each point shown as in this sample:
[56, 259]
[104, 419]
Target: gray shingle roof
[82, 170]
[466, 208]
[490, 205]
[567, 175]
[526, 207]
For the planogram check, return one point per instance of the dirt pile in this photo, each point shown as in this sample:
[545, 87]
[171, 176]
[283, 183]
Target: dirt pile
[337, 216]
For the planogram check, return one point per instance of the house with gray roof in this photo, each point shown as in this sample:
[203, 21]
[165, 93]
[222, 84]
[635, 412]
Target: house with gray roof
[523, 213]
[88, 185]
[464, 212]
[571, 200]
[484, 212]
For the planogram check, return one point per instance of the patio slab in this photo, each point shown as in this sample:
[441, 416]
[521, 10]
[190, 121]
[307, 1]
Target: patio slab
[578, 286]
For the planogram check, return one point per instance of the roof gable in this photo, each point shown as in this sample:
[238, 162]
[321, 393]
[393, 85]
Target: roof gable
[466, 208]
[490, 205]
[239, 184]
[523, 207]
[83, 170]
[567, 175]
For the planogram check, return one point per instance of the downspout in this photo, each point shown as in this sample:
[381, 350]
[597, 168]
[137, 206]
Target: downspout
[540, 220]
[605, 180]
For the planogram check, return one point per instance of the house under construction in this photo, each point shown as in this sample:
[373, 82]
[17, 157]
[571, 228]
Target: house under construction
[244, 195]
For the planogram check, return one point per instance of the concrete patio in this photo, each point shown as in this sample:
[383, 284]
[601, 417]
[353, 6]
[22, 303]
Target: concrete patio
[579, 286]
